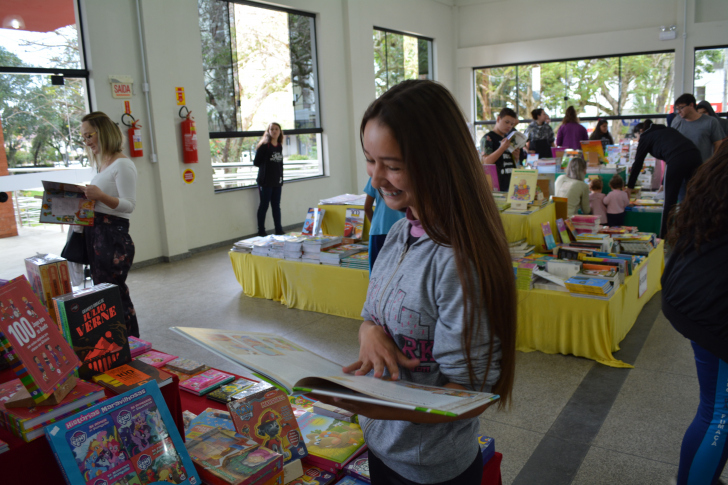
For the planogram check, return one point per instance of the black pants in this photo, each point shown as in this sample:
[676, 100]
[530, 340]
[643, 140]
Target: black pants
[111, 252]
[381, 474]
[615, 219]
[272, 196]
[677, 174]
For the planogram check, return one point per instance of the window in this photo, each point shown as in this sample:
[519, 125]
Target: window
[710, 79]
[619, 88]
[398, 57]
[259, 64]
[43, 87]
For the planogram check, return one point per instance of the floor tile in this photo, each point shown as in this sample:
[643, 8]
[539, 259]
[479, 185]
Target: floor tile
[666, 350]
[607, 467]
[516, 444]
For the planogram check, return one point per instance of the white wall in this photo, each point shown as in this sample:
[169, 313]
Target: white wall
[563, 29]
[171, 217]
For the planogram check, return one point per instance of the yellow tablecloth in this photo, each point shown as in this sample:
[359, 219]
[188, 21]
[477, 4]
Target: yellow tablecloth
[335, 218]
[550, 321]
[528, 227]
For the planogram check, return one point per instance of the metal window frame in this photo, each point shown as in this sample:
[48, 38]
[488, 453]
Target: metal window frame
[430, 60]
[725, 64]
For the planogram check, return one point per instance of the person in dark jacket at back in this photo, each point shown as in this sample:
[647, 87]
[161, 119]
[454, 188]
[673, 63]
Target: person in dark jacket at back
[269, 160]
[695, 301]
[680, 154]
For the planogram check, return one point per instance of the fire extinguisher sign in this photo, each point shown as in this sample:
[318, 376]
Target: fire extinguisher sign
[180, 94]
[188, 176]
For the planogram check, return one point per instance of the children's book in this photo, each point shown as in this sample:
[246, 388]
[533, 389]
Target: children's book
[297, 370]
[522, 190]
[518, 140]
[206, 381]
[227, 392]
[301, 404]
[181, 375]
[185, 365]
[313, 475]
[354, 224]
[349, 480]
[31, 343]
[263, 413]
[224, 457]
[66, 204]
[548, 237]
[215, 418]
[130, 376]
[561, 226]
[359, 468]
[22, 420]
[156, 359]
[487, 447]
[93, 322]
[331, 443]
[323, 409]
[312, 224]
[138, 346]
[130, 438]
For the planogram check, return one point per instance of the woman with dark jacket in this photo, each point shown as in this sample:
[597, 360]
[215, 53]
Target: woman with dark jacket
[269, 160]
[695, 301]
[601, 133]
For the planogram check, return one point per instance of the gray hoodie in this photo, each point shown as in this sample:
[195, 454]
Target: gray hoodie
[415, 294]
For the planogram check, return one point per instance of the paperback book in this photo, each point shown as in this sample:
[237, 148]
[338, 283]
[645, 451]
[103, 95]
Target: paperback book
[130, 438]
[312, 224]
[130, 376]
[522, 190]
[93, 322]
[185, 365]
[156, 359]
[226, 392]
[206, 381]
[331, 443]
[294, 369]
[354, 223]
[31, 343]
[138, 346]
[66, 204]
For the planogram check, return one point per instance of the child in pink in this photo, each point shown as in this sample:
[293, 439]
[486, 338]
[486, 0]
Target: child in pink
[616, 201]
[596, 200]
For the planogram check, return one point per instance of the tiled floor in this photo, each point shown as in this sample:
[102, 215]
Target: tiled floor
[572, 421]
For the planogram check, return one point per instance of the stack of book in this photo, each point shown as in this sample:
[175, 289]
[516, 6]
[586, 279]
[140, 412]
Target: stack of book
[524, 275]
[585, 223]
[331, 444]
[538, 204]
[547, 281]
[618, 230]
[129, 376]
[520, 249]
[313, 245]
[156, 359]
[277, 249]
[333, 255]
[584, 286]
[261, 247]
[598, 242]
[356, 261]
[501, 200]
[205, 382]
[246, 245]
[293, 248]
[638, 243]
[138, 346]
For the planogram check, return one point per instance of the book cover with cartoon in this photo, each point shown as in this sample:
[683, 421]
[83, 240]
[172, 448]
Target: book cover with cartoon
[66, 204]
[354, 223]
[523, 186]
[140, 425]
[97, 449]
[329, 438]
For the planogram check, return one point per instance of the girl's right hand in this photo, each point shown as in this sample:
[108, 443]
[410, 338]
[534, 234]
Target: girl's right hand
[377, 350]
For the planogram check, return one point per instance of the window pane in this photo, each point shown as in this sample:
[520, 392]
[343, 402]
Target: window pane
[303, 79]
[647, 83]
[424, 58]
[380, 62]
[232, 160]
[495, 88]
[395, 59]
[593, 86]
[41, 38]
[41, 122]
[217, 65]
[710, 78]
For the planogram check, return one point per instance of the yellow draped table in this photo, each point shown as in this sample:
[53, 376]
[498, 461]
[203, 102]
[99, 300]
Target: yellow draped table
[335, 220]
[553, 322]
[518, 226]
[556, 322]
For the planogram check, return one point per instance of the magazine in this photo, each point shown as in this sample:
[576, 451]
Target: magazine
[312, 224]
[354, 223]
[296, 370]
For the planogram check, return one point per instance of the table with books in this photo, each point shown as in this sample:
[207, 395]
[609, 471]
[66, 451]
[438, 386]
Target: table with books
[528, 226]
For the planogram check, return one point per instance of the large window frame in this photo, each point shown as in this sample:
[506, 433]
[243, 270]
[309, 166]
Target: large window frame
[430, 58]
[619, 117]
[724, 113]
[289, 133]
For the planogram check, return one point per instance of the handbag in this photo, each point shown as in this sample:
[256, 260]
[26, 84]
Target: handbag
[75, 249]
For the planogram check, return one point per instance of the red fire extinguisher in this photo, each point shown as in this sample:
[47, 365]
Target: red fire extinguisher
[135, 137]
[189, 137]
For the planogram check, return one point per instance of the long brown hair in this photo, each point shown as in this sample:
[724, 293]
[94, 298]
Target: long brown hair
[703, 214]
[457, 210]
[266, 138]
[570, 116]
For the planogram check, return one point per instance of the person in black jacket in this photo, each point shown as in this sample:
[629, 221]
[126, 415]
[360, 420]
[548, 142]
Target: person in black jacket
[269, 160]
[695, 301]
[680, 154]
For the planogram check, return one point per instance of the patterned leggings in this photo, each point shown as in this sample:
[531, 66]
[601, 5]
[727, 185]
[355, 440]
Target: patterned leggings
[111, 252]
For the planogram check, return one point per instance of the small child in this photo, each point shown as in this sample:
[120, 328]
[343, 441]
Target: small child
[616, 201]
[596, 200]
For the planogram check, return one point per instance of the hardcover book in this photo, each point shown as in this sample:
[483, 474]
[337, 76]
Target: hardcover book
[522, 190]
[130, 438]
[301, 404]
[263, 413]
[359, 468]
[138, 346]
[487, 447]
[224, 457]
[206, 381]
[130, 376]
[296, 370]
[156, 359]
[312, 224]
[331, 443]
[349, 480]
[93, 323]
[354, 224]
[215, 418]
[226, 392]
[313, 475]
[185, 365]
[548, 237]
[31, 342]
[66, 204]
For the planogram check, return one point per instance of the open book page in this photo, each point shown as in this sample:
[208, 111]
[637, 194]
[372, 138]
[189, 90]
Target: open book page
[273, 357]
[297, 369]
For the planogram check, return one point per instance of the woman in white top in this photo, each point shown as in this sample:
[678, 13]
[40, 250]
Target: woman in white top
[109, 246]
[572, 186]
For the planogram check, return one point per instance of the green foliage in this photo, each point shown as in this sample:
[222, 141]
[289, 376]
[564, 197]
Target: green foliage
[398, 57]
[707, 60]
[296, 156]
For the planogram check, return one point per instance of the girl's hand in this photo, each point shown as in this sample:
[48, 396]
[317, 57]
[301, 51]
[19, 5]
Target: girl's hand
[377, 350]
[92, 192]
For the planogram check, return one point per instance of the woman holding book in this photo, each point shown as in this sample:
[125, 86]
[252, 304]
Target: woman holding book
[437, 311]
[571, 133]
[695, 301]
[108, 243]
[269, 160]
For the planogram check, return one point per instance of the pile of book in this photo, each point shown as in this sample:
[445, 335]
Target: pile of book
[356, 261]
[599, 242]
[586, 223]
[538, 204]
[618, 230]
[524, 275]
[636, 243]
[501, 200]
[246, 245]
[293, 248]
[520, 249]
[312, 247]
[334, 254]
[587, 287]
[138, 346]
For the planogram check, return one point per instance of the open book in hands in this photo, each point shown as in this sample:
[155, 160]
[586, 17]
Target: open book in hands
[296, 370]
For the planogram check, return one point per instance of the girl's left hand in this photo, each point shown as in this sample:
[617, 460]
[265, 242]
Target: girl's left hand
[92, 192]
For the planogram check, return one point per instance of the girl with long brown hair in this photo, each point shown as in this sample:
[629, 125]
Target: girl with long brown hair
[441, 304]
[269, 160]
[571, 133]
